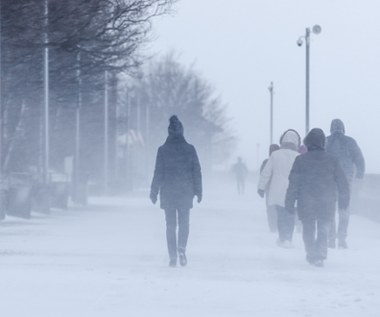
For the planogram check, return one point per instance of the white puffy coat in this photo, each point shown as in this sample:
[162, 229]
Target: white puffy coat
[275, 175]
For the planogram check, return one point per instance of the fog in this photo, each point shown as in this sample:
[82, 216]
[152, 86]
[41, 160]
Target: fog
[110, 258]
[242, 47]
[84, 230]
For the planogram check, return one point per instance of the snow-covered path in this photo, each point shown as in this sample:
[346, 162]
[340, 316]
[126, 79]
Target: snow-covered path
[110, 259]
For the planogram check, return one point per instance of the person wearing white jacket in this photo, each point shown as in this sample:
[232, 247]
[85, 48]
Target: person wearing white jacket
[275, 175]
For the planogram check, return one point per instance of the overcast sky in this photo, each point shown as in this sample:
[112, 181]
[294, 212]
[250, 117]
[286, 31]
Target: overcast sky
[241, 46]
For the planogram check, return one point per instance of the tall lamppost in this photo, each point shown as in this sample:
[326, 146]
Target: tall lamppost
[77, 159]
[46, 96]
[271, 92]
[316, 29]
[106, 127]
[2, 212]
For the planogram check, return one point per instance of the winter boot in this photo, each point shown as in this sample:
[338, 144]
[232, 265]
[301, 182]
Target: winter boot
[182, 259]
[318, 263]
[173, 263]
[310, 259]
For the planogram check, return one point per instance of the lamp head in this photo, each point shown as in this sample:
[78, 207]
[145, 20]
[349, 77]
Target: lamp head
[300, 41]
[317, 29]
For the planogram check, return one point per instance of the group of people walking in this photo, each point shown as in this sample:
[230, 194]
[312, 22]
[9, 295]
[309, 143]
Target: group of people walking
[307, 180]
[310, 182]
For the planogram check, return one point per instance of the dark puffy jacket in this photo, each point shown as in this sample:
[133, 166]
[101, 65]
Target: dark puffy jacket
[346, 150]
[177, 176]
[315, 179]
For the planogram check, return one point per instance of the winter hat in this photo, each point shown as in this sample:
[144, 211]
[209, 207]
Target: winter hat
[175, 126]
[337, 126]
[273, 147]
[291, 137]
[315, 140]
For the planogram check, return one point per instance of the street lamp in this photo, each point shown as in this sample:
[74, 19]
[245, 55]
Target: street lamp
[106, 128]
[46, 96]
[316, 29]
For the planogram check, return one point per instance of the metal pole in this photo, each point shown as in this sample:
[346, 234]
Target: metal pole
[105, 132]
[77, 126]
[46, 97]
[258, 156]
[271, 112]
[147, 125]
[127, 148]
[1, 125]
[307, 39]
[138, 113]
[118, 115]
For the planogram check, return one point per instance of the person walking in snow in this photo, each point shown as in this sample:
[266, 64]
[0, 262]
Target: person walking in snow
[314, 181]
[274, 178]
[177, 178]
[351, 159]
[271, 210]
[241, 171]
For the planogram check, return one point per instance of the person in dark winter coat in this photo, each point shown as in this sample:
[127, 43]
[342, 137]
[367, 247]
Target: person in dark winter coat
[241, 171]
[351, 159]
[177, 178]
[314, 182]
[271, 209]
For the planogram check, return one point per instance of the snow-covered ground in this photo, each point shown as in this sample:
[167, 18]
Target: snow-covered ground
[110, 259]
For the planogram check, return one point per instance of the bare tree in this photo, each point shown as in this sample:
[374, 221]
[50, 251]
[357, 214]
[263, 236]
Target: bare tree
[106, 34]
[167, 87]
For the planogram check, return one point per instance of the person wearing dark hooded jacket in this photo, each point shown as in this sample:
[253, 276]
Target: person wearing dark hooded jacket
[316, 182]
[274, 180]
[177, 178]
[351, 159]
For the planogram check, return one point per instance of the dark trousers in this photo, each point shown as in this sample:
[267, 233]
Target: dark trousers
[341, 233]
[285, 224]
[343, 220]
[315, 233]
[183, 217]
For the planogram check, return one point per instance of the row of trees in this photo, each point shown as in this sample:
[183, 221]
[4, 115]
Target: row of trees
[85, 38]
[94, 51]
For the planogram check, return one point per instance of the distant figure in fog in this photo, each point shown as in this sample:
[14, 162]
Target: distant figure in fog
[274, 178]
[351, 159]
[271, 209]
[177, 178]
[314, 181]
[241, 171]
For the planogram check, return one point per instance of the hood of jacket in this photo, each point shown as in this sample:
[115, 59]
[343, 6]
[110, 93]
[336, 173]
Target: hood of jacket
[337, 126]
[290, 140]
[315, 140]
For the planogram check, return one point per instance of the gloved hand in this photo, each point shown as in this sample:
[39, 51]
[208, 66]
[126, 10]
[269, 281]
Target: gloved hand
[261, 192]
[199, 198]
[153, 197]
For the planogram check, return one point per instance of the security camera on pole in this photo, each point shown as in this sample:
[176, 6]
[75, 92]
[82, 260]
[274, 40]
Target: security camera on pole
[316, 29]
